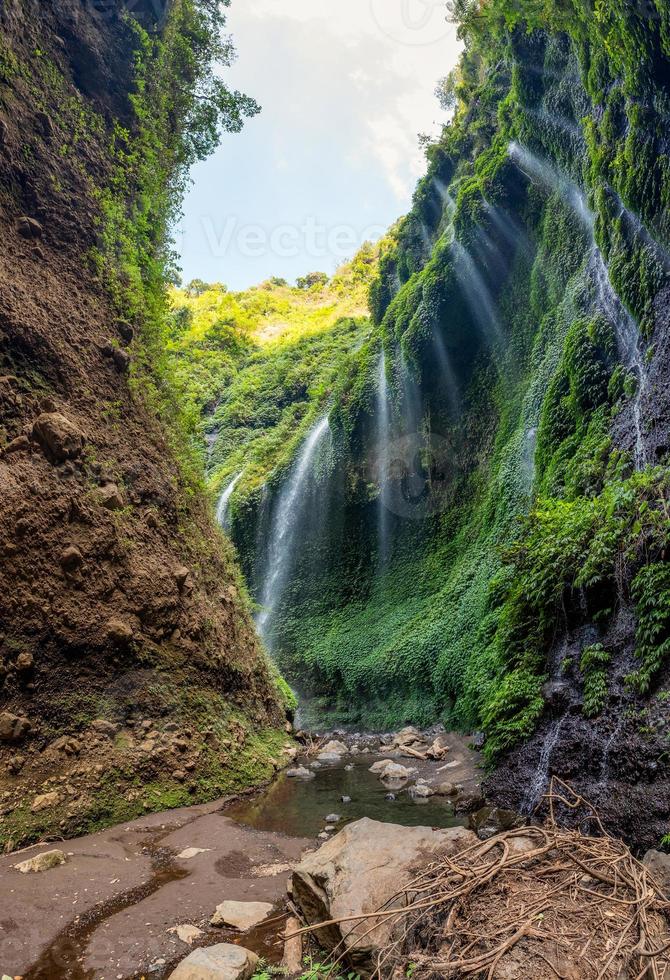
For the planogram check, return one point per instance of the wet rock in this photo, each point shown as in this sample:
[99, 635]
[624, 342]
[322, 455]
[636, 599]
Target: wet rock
[58, 437]
[335, 747]
[29, 228]
[557, 694]
[299, 773]
[44, 801]
[390, 797]
[468, 801]
[349, 768]
[446, 789]
[71, 558]
[333, 818]
[240, 915]
[13, 728]
[361, 869]
[41, 862]
[109, 497]
[345, 799]
[224, 961]
[420, 792]
[492, 820]
[379, 766]
[394, 771]
[328, 757]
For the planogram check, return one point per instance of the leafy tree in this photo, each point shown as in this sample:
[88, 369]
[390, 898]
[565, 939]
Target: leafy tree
[312, 279]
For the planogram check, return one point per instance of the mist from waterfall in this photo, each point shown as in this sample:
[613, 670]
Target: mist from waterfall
[542, 172]
[223, 506]
[286, 517]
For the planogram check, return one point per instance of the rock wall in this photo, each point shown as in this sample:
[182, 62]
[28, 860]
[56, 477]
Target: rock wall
[127, 653]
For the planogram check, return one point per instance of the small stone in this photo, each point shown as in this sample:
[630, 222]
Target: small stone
[446, 789]
[329, 829]
[119, 632]
[191, 852]
[126, 330]
[333, 818]
[240, 915]
[25, 662]
[345, 799]
[349, 768]
[38, 252]
[224, 961]
[299, 773]
[109, 497]
[186, 934]
[41, 862]
[104, 727]
[45, 124]
[20, 444]
[58, 437]
[71, 558]
[121, 359]
[181, 575]
[43, 801]
[390, 797]
[28, 227]
[179, 775]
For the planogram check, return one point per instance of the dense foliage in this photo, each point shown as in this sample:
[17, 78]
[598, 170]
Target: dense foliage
[509, 305]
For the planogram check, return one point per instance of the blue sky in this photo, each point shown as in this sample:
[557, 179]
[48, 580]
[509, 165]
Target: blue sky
[345, 87]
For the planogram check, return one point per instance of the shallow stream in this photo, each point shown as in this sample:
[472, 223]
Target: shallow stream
[298, 807]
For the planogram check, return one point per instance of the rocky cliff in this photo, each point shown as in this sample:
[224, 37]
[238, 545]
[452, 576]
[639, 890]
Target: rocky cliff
[486, 539]
[130, 675]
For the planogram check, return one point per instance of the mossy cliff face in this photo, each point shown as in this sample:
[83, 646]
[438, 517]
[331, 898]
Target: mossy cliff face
[120, 602]
[521, 409]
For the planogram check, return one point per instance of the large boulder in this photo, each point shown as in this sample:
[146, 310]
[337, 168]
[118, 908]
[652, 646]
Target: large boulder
[335, 747]
[222, 962]
[362, 870]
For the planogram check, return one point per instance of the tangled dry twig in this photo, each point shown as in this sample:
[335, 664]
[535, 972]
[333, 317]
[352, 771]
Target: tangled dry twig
[535, 902]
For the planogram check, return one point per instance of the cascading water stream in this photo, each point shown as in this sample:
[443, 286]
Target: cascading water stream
[606, 299]
[541, 777]
[223, 507]
[286, 517]
[628, 339]
[383, 457]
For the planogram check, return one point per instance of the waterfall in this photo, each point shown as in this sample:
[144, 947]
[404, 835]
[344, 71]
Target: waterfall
[628, 339]
[544, 173]
[224, 501]
[383, 457]
[286, 515]
[541, 777]
[477, 294]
